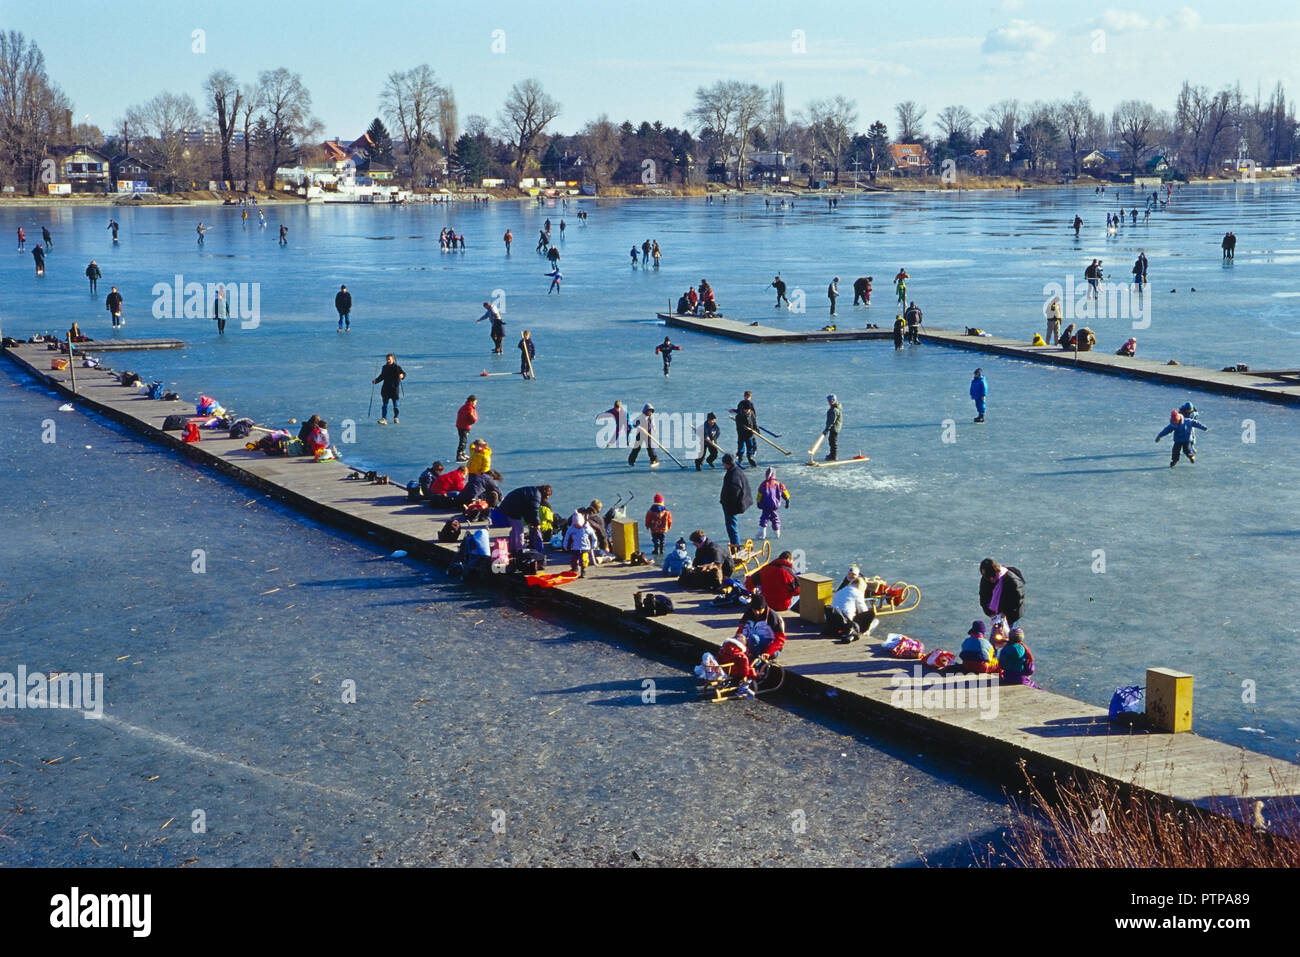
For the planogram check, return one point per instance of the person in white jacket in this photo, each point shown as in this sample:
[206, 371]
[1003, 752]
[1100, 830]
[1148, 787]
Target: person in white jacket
[580, 543]
[851, 615]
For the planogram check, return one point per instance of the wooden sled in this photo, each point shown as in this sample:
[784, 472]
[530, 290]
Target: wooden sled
[892, 599]
[724, 687]
[748, 559]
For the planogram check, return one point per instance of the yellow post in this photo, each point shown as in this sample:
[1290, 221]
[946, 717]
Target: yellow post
[1169, 699]
[814, 595]
[623, 538]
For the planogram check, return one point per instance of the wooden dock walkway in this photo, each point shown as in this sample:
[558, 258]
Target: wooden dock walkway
[1050, 732]
[1281, 386]
[126, 345]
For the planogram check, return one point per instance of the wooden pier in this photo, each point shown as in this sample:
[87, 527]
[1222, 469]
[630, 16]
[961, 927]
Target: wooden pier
[1279, 386]
[1049, 732]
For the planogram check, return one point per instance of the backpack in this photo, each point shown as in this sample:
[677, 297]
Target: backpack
[449, 532]
[241, 428]
[528, 562]
[706, 578]
[156, 390]
[909, 648]
[413, 491]
[1125, 703]
[174, 423]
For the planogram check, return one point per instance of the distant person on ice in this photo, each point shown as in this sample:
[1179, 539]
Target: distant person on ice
[94, 275]
[779, 285]
[834, 422]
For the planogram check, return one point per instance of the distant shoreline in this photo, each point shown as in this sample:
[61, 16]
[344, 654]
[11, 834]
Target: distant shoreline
[926, 185]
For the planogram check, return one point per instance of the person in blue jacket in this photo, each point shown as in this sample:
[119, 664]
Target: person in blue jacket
[978, 390]
[1181, 426]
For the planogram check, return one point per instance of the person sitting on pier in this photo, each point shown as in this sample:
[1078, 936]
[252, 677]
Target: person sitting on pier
[318, 438]
[762, 629]
[712, 562]
[851, 614]
[479, 485]
[977, 654]
[1067, 337]
[1016, 661]
[427, 478]
[305, 430]
[692, 299]
[683, 305]
[443, 491]
[776, 582]
[677, 560]
[1128, 348]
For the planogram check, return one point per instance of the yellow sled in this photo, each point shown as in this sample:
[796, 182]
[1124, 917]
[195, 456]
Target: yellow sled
[724, 687]
[748, 559]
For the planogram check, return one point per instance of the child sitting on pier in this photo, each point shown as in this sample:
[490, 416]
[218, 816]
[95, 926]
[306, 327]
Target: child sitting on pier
[977, 655]
[677, 559]
[1016, 660]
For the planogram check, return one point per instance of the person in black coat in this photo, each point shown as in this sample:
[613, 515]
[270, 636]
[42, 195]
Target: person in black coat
[94, 275]
[343, 306]
[391, 375]
[736, 497]
[478, 485]
[1010, 602]
[708, 552]
[523, 507]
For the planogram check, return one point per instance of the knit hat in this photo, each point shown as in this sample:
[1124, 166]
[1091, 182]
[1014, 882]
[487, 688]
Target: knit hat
[831, 398]
[979, 371]
[1017, 635]
[770, 475]
[978, 628]
[579, 519]
[1174, 417]
[659, 499]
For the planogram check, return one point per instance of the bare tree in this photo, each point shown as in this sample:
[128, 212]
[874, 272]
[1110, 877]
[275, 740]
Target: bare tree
[527, 112]
[226, 99]
[1075, 116]
[909, 116]
[33, 111]
[777, 125]
[285, 104]
[165, 120]
[1004, 119]
[955, 121]
[448, 121]
[729, 109]
[411, 101]
[1134, 122]
[831, 124]
[247, 110]
[601, 148]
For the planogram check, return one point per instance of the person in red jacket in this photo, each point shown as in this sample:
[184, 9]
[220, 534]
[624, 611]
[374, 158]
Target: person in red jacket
[466, 416]
[733, 653]
[761, 629]
[777, 582]
[445, 488]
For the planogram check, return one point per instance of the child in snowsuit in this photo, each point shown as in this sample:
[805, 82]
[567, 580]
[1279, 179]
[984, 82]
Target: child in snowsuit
[667, 349]
[580, 543]
[677, 559]
[733, 653]
[979, 388]
[658, 520]
[1182, 426]
[771, 495]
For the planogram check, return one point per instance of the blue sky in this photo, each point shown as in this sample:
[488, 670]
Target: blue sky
[643, 60]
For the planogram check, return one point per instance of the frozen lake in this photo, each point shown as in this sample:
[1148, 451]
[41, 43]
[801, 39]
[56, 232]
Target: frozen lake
[1129, 564]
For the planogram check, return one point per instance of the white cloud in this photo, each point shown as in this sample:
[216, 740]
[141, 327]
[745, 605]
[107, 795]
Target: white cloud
[1130, 21]
[1019, 36]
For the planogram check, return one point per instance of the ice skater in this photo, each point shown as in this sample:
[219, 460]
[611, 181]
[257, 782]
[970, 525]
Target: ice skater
[772, 495]
[666, 349]
[94, 275]
[1181, 426]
